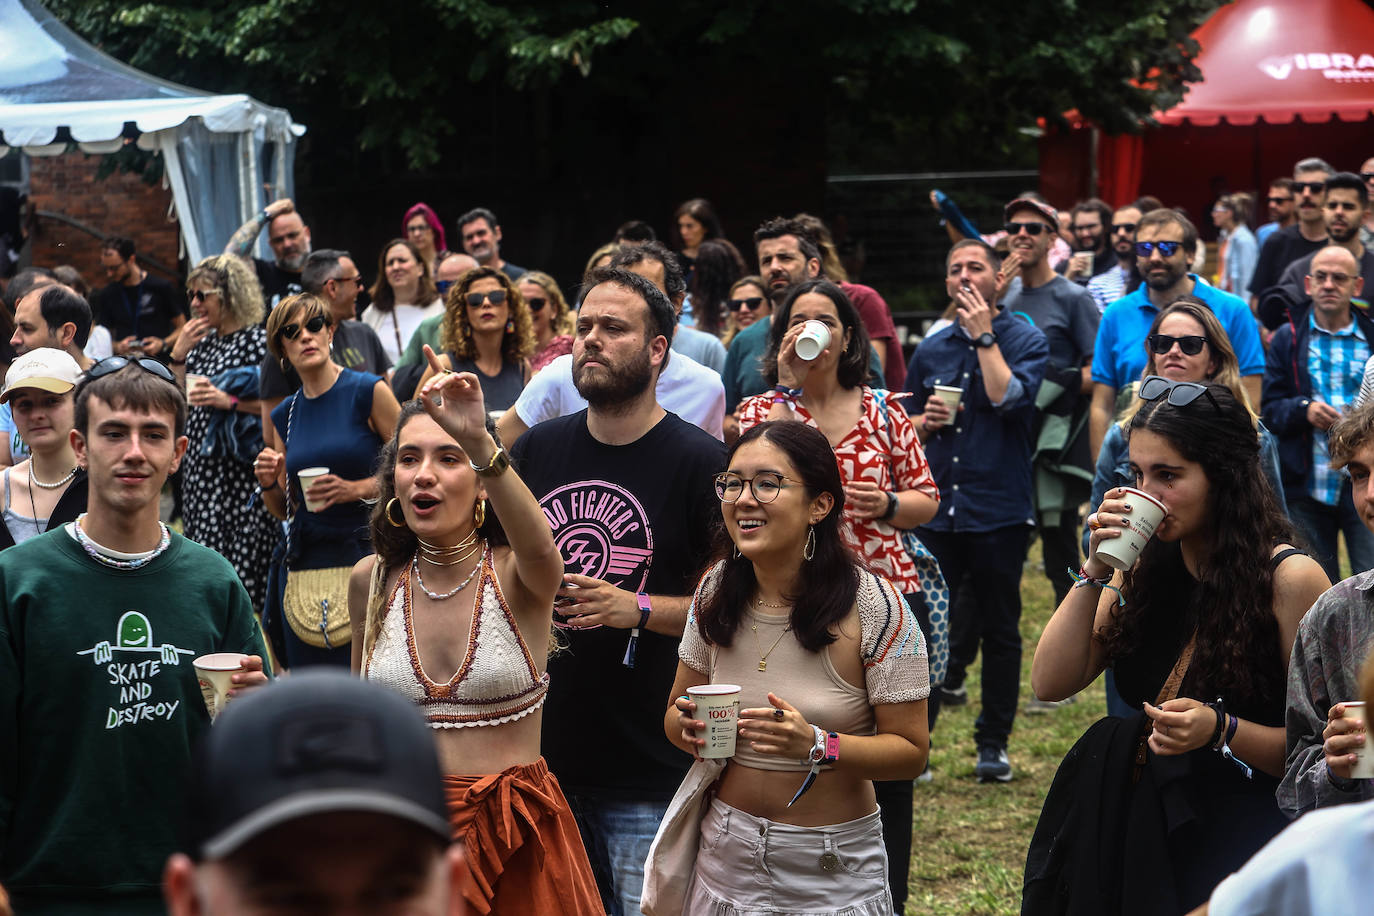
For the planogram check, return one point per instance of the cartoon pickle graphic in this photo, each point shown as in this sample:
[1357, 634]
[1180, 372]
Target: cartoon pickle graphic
[134, 634]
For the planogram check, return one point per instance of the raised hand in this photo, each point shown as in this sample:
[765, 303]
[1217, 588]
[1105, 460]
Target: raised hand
[454, 400]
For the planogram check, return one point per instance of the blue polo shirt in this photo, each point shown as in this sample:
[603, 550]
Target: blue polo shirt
[1119, 356]
[982, 462]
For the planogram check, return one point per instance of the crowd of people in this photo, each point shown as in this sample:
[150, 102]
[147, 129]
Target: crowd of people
[544, 520]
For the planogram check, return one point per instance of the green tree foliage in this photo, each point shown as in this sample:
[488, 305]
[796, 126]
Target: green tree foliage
[963, 74]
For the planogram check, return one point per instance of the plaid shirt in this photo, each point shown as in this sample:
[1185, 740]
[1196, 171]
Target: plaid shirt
[1335, 364]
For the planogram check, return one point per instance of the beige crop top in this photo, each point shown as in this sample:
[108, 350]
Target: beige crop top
[891, 645]
[498, 680]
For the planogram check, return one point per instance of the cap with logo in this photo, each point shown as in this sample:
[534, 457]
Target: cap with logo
[1039, 206]
[44, 368]
[318, 742]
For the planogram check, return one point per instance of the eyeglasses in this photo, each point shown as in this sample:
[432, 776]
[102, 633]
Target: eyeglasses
[750, 303]
[1275, 201]
[443, 286]
[765, 486]
[356, 278]
[1128, 228]
[1180, 394]
[1191, 345]
[112, 364]
[314, 326]
[198, 295]
[1166, 249]
[536, 303]
[1314, 187]
[1032, 229]
[495, 297]
[1321, 276]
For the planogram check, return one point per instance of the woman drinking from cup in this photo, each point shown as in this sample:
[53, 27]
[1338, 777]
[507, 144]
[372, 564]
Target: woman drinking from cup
[218, 353]
[550, 318]
[1198, 630]
[326, 435]
[833, 678]
[47, 488]
[455, 612]
[487, 332]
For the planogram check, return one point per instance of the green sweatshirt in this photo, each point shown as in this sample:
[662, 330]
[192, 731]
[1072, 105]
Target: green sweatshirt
[99, 711]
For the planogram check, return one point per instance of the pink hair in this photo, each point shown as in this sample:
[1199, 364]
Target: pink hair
[425, 210]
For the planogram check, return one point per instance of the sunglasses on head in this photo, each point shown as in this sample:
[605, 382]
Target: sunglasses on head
[112, 364]
[1031, 228]
[750, 303]
[495, 297]
[1128, 228]
[1316, 187]
[314, 326]
[536, 303]
[1180, 394]
[1191, 344]
[1166, 249]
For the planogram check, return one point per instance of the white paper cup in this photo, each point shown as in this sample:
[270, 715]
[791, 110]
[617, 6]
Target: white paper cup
[951, 396]
[1145, 516]
[718, 707]
[193, 379]
[814, 338]
[1364, 762]
[214, 672]
[307, 477]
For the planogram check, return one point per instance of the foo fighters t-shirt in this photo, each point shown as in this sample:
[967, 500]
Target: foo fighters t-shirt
[637, 516]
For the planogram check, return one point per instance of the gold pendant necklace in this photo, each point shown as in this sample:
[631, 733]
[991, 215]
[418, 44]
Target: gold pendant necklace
[763, 658]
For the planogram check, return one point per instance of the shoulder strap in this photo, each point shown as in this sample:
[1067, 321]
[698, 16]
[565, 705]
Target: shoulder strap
[1282, 555]
[1170, 688]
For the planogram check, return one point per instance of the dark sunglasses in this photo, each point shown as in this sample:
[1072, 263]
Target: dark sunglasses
[443, 286]
[1166, 249]
[536, 303]
[314, 326]
[495, 297]
[1032, 229]
[111, 364]
[1280, 200]
[1128, 228]
[1191, 345]
[1316, 187]
[750, 303]
[198, 295]
[1367, 176]
[1180, 394]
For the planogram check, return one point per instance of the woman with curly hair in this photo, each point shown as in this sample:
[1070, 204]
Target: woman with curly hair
[218, 354]
[487, 331]
[550, 318]
[1154, 810]
[719, 264]
[403, 296]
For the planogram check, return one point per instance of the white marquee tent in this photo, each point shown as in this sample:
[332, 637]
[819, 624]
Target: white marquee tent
[225, 156]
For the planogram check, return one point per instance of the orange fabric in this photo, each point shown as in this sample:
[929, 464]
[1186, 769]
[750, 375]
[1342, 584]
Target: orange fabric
[522, 847]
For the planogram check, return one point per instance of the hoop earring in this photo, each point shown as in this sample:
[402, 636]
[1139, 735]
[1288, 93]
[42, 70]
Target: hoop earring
[479, 514]
[390, 519]
[285, 365]
[809, 550]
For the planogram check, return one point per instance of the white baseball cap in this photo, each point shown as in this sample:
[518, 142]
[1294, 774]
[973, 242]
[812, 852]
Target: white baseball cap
[45, 368]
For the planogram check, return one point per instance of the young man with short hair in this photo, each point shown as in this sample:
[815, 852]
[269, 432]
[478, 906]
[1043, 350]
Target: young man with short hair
[100, 620]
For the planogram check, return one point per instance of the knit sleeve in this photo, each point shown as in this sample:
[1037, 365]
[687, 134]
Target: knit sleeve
[896, 668]
[693, 650]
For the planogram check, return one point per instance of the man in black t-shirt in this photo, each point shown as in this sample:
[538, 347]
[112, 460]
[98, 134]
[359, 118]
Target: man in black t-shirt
[627, 488]
[331, 275]
[1306, 236]
[144, 313]
[1347, 200]
[289, 237]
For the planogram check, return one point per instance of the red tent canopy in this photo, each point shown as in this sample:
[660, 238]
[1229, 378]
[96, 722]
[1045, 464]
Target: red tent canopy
[1275, 72]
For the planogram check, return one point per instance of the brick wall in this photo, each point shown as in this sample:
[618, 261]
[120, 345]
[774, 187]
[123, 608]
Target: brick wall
[120, 204]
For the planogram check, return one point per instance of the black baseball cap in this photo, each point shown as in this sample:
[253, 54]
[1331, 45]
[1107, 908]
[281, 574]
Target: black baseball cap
[317, 742]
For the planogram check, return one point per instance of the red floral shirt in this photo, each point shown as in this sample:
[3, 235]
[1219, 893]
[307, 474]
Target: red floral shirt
[892, 458]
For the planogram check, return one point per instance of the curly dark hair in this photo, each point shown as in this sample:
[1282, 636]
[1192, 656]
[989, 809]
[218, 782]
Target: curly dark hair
[1237, 653]
[718, 265]
[852, 370]
[828, 583]
[456, 332]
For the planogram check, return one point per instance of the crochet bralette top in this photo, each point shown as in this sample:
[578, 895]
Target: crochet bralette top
[498, 680]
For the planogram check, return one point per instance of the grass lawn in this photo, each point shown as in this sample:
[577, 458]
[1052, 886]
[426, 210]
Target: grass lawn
[969, 850]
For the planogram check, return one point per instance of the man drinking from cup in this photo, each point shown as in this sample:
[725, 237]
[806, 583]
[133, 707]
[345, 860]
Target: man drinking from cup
[100, 620]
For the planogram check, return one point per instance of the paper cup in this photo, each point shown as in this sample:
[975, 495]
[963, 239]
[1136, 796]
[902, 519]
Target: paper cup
[214, 672]
[718, 707]
[1145, 516]
[814, 338]
[193, 379]
[307, 477]
[1364, 762]
[951, 396]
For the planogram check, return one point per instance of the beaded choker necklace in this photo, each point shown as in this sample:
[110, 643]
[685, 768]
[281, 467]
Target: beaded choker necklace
[33, 478]
[435, 596]
[95, 553]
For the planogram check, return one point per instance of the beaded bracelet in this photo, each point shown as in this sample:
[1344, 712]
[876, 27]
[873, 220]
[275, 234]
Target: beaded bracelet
[1081, 579]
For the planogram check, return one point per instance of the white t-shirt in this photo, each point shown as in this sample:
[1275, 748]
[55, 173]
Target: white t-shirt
[686, 388]
[99, 344]
[395, 327]
[1320, 864]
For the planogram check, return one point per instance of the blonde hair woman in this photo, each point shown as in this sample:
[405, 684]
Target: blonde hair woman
[550, 318]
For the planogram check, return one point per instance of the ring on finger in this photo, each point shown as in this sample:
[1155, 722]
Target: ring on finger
[778, 714]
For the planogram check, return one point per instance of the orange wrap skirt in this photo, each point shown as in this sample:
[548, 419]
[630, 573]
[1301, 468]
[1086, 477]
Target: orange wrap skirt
[521, 844]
